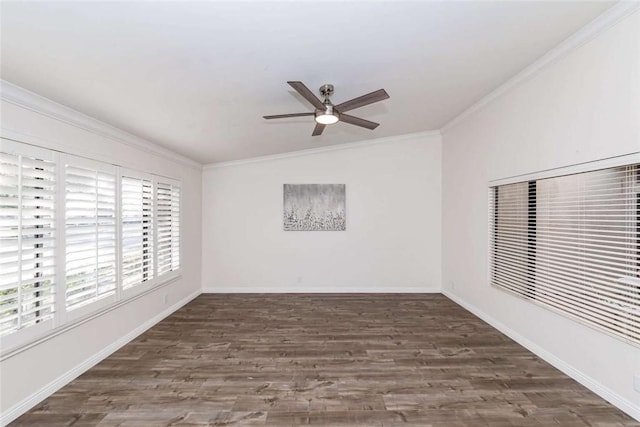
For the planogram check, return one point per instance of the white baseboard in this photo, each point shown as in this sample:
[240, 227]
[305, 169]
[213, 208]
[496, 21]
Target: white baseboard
[606, 393]
[29, 402]
[324, 289]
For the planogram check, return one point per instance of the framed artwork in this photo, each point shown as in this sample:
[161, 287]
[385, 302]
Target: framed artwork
[314, 207]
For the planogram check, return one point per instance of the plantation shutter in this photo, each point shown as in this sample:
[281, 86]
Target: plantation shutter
[572, 243]
[137, 230]
[27, 237]
[168, 226]
[77, 236]
[90, 212]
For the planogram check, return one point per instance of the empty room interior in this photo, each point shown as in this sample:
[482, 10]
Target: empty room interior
[336, 213]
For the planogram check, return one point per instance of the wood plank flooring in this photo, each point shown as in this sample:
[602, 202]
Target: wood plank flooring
[324, 360]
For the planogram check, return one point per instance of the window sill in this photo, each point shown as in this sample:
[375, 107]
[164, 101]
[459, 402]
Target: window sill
[51, 333]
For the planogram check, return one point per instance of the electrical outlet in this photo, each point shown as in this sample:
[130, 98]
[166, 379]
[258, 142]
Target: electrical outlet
[636, 382]
[299, 279]
[165, 298]
[452, 285]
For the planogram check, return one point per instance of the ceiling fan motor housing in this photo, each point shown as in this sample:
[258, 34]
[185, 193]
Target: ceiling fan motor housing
[326, 91]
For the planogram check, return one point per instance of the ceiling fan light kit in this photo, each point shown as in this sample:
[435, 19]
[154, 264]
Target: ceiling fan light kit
[327, 114]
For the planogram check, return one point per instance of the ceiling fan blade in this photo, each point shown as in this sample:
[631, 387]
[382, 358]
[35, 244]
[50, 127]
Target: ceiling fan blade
[307, 94]
[361, 101]
[352, 120]
[318, 129]
[284, 116]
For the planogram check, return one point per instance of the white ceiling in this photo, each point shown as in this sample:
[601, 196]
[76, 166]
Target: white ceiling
[196, 77]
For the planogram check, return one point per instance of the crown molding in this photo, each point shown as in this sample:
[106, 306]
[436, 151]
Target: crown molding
[34, 102]
[603, 22]
[327, 149]
[31, 101]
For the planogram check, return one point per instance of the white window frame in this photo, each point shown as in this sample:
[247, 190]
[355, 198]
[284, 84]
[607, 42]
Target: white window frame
[62, 319]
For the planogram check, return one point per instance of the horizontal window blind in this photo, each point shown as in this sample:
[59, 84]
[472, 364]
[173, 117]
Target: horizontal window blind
[572, 243]
[27, 234]
[168, 226]
[90, 209]
[512, 254]
[137, 231]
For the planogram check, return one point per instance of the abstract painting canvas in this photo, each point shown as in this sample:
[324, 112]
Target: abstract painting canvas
[314, 207]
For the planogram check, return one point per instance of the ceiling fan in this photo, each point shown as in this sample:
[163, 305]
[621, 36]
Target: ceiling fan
[326, 113]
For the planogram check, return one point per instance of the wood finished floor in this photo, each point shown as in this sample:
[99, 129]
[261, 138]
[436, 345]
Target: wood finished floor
[324, 360]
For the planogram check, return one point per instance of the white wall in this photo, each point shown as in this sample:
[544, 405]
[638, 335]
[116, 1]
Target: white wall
[583, 107]
[30, 375]
[392, 240]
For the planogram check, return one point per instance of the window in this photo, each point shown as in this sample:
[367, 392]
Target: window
[27, 231]
[90, 218]
[572, 244]
[76, 237]
[137, 231]
[168, 226]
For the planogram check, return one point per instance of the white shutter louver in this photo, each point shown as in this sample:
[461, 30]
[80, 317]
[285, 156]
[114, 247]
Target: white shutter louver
[572, 243]
[137, 230]
[27, 236]
[168, 226]
[90, 217]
